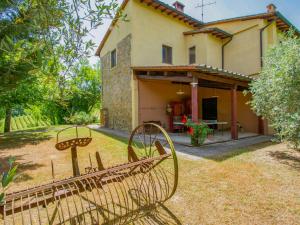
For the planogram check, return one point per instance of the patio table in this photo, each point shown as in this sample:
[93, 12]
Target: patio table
[214, 122]
[208, 122]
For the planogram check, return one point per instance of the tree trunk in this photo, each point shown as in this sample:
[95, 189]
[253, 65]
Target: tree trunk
[7, 120]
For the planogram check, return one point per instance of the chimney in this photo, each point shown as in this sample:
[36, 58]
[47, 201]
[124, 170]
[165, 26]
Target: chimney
[179, 6]
[271, 8]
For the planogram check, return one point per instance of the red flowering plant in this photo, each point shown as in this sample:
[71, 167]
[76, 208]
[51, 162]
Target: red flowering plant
[198, 132]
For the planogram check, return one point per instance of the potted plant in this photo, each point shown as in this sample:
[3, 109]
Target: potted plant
[198, 131]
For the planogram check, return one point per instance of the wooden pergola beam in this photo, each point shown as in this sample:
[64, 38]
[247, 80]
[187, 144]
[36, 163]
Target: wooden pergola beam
[219, 79]
[165, 78]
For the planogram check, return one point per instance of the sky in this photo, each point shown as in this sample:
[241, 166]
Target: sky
[221, 10]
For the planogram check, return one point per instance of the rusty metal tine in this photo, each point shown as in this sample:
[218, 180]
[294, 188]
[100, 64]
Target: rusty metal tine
[45, 202]
[38, 210]
[125, 196]
[56, 211]
[29, 208]
[87, 181]
[134, 181]
[154, 184]
[87, 197]
[150, 189]
[76, 209]
[143, 184]
[113, 184]
[107, 186]
[160, 184]
[107, 202]
[163, 181]
[153, 194]
[141, 176]
[147, 186]
[52, 170]
[83, 211]
[91, 164]
[67, 202]
[105, 197]
[13, 210]
[99, 161]
[120, 202]
[100, 205]
[57, 198]
[21, 199]
[164, 176]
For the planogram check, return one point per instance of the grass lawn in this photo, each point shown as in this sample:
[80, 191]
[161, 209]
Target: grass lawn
[256, 185]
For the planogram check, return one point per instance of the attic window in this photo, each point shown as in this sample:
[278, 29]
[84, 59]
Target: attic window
[192, 55]
[167, 54]
[113, 58]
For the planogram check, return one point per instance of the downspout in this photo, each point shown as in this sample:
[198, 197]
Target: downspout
[261, 42]
[223, 51]
[261, 127]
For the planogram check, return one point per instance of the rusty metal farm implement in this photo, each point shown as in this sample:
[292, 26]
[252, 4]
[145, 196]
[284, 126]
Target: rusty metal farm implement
[115, 195]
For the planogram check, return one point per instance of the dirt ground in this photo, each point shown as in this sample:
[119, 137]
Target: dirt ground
[255, 185]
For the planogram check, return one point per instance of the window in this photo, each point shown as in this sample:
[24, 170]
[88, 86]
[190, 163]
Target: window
[192, 55]
[166, 54]
[113, 58]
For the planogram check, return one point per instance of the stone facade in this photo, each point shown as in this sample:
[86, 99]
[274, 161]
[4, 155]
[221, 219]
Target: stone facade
[116, 83]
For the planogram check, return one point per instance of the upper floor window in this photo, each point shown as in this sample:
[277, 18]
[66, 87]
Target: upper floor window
[167, 54]
[192, 55]
[113, 58]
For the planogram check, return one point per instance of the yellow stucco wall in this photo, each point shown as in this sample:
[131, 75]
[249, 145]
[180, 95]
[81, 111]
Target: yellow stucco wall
[208, 49]
[151, 29]
[200, 42]
[119, 31]
[214, 51]
[242, 54]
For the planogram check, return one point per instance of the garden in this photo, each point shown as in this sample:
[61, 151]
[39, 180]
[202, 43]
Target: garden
[258, 185]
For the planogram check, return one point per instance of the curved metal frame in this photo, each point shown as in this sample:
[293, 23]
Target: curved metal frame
[172, 148]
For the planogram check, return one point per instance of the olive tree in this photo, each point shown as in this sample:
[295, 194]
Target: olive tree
[276, 92]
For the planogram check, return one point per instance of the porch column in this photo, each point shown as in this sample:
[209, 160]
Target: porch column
[234, 128]
[261, 127]
[195, 99]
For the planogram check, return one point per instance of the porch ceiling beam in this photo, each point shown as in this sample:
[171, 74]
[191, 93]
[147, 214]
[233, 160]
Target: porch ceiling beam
[219, 79]
[165, 78]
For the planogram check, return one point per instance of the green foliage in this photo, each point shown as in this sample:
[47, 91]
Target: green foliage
[25, 122]
[198, 132]
[7, 177]
[42, 44]
[82, 118]
[276, 92]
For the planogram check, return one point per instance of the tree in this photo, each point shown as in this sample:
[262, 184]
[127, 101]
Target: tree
[57, 30]
[81, 93]
[276, 92]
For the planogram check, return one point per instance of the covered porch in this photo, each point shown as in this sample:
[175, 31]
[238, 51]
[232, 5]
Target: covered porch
[200, 92]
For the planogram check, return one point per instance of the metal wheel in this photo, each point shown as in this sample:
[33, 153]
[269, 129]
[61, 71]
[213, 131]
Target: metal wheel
[161, 177]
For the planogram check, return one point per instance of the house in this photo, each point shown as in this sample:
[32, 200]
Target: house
[163, 63]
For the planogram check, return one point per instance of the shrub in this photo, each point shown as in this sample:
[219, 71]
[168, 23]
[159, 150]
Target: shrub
[276, 92]
[81, 118]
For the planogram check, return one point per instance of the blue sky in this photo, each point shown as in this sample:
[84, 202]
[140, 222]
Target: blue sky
[223, 9]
